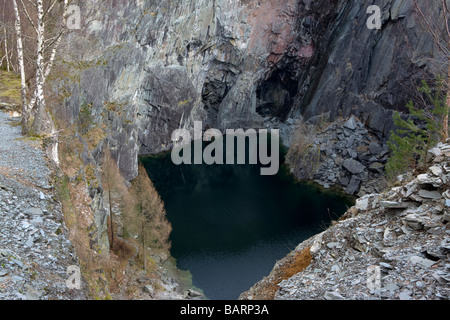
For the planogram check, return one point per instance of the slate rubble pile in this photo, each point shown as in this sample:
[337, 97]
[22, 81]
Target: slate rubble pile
[394, 245]
[34, 248]
[351, 157]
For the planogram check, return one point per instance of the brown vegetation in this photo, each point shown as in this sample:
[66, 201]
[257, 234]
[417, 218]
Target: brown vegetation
[148, 219]
[294, 263]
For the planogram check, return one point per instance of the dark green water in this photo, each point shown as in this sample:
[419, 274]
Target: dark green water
[230, 224]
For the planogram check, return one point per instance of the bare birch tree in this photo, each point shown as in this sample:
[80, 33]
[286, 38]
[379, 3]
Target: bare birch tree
[23, 91]
[39, 13]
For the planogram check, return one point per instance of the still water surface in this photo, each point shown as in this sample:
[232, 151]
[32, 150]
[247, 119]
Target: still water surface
[230, 224]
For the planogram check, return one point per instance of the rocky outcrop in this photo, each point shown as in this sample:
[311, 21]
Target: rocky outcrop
[342, 153]
[393, 245]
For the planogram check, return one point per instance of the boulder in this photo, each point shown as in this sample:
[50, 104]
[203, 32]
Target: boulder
[434, 195]
[351, 124]
[353, 166]
[353, 185]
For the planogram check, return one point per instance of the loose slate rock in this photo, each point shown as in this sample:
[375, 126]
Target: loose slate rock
[426, 263]
[435, 195]
[351, 124]
[353, 166]
[333, 296]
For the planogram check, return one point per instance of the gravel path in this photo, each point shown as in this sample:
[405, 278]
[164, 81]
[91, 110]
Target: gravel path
[34, 248]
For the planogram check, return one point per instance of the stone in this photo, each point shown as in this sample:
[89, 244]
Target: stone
[437, 171]
[375, 148]
[391, 287]
[351, 124]
[317, 244]
[424, 179]
[32, 294]
[353, 185]
[358, 242]
[30, 242]
[362, 204]
[353, 166]
[426, 263]
[386, 266]
[350, 142]
[17, 262]
[434, 195]
[35, 212]
[446, 217]
[435, 152]
[149, 289]
[414, 221]
[344, 181]
[193, 293]
[332, 245]
[333, 296]
[4, 253]
[397, 205]
[389, 238]
[405, 295]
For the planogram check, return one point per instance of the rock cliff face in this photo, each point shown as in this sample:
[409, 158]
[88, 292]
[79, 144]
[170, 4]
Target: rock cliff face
[149, 67]
[145, 68]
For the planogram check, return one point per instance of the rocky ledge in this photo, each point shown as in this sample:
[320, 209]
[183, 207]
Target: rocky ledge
[34, 248]
[393, 245]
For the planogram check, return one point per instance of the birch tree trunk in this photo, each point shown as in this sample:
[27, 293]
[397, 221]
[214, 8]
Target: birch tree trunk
[6, 49]
[40, 118]
[23, 91]
[51, 60]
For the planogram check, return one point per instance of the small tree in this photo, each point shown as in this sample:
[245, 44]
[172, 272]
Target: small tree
[115, 188]
[148, 219]
[419, 132]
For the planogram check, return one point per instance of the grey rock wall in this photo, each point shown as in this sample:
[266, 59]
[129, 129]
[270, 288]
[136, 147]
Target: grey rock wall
[239, 64]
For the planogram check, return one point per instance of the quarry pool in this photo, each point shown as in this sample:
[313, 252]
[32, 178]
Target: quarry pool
[231, 225]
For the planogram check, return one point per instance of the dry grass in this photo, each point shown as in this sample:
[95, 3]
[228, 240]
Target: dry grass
[9, 88]
[291, 265]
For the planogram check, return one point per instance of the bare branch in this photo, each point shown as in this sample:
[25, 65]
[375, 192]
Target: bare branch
[28, 16]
